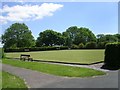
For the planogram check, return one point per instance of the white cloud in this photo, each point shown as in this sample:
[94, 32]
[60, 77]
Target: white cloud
[28, 12]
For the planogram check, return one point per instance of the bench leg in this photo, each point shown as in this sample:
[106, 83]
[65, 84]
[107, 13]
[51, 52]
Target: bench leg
[30, 59]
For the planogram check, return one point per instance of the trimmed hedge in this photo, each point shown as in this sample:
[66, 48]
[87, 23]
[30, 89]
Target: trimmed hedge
[35, 49]
[112, 55]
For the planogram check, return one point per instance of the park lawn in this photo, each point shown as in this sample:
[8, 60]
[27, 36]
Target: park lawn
[59, 70]
[74, 56]
[11, 81]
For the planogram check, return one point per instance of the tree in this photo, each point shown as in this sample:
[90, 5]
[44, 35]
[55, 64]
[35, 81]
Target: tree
[107, 38]
[118, 37]
[18, 35]
[79, 35]
[49, 38]
[110, 38]
[100, 38]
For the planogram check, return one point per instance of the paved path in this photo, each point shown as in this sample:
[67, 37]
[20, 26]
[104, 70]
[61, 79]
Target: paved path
[36, 79]
[93, 66]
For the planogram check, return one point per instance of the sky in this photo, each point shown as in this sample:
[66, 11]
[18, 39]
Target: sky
[99, 17]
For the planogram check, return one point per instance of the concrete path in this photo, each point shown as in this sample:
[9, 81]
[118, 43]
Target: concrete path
[93, 66]
[36, 79]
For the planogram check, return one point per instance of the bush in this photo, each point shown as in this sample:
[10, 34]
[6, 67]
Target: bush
[101, 45]
[74, 46]
[112, 55]
[14, 50]
[81, 45]
[63, 47]
[91, 45]
[36, 49]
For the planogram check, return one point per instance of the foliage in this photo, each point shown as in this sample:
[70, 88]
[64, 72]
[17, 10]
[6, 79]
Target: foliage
[78, 35]
[107, 38]
[118, 37]
[112, 55]
[45, 48]
[11, 81]
[60, 70]
[90, 45]
[74, 46]
[81, 45]
[101, 45]
[49, 38]
[18, 35]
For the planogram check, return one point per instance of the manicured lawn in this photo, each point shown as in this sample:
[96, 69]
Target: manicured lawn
[54, 69]
[11, 81]
[76, 56]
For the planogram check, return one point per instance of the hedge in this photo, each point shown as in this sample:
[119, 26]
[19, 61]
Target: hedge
[35, 49]
[112, 55]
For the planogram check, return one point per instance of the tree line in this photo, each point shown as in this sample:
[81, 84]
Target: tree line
[18, 35]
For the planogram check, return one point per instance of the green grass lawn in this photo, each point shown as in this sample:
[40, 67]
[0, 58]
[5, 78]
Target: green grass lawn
[11, 81]
[54, 69]
[75, 56]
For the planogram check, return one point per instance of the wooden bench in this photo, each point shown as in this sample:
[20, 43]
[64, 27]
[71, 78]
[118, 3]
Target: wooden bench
[25, 57]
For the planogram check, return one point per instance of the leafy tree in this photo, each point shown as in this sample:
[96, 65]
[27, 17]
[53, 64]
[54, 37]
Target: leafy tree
[49, 38]
[78, 35]
[67, 39]
[18, 35]
[110, 38]
[100, 38]
[107, 38]
[118, 37]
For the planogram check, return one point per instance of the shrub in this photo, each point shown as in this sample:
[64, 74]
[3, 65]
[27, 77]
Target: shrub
[101, 45]
[81, 45]
[91, 45]
[74, 46]
[14, 50]
[112, 55]
[63, 47]
[45, 48]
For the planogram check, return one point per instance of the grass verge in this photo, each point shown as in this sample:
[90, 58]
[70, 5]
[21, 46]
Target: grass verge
[54, 69]
[11, 81]
[0, 80]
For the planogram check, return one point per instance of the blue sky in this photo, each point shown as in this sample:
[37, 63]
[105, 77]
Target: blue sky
[99, 17]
